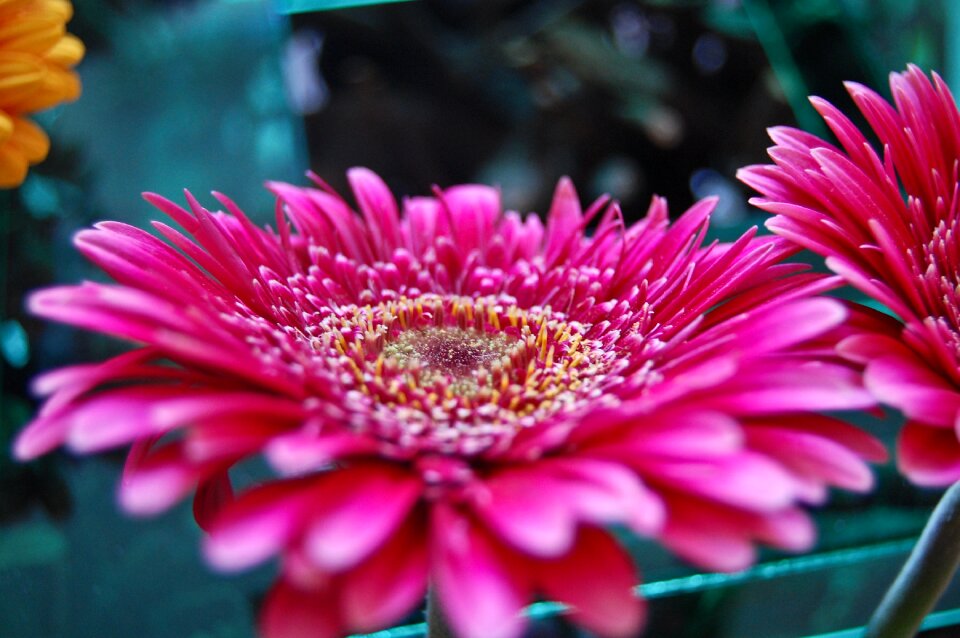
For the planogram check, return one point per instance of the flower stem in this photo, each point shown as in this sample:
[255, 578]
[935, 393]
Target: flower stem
[437, 626]
[925, 575]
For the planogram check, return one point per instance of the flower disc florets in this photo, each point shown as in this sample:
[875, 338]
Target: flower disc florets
[455, 395]
[459, 375]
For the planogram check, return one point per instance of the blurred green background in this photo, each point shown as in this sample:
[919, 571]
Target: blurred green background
[627, 97]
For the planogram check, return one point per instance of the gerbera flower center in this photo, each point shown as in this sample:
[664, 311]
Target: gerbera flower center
[458, 374]
[461, 357]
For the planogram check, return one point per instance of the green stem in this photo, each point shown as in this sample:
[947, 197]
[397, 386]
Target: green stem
[925, 575]
[437, 626]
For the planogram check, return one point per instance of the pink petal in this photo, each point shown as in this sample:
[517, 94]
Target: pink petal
[790, 529]
[535, 521]
[234, 435]
[212, 495]
[833, 429]
[677, 434]
[155, 481]
[383, 589]
[596, 578]
[291, 612]
[746, 479]
[778, 328]
[379, 208]
[812, 455]
[259, 523]
[39, 437]
[117, 417]
[783, 386]
[302, 452]
[473, 212]
[605, 493]
[356, 511]
[927, 455]
[563, 222]
[79, 379]
[720, 550]
[909, 385]
[543, 520]
[481, 588]
[423, 220]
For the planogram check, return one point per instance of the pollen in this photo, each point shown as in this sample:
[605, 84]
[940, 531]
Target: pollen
[453, 353]
[459, 374]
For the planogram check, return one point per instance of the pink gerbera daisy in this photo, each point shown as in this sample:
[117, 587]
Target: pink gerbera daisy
[888, 224]
[454, 396]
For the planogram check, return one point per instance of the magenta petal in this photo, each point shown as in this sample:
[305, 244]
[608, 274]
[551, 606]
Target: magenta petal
[356, 511]
[928, 455]
[154, 483]
[481, 589]
[291, 612]
[378, 207]
[720, 550]
[682, 434]
[778, 328]
[914, 388]
[746, 479]
[301, 452]
[39, 437]
[543, 521]
[813, 455]
[775, 387]
[833, 429]
[789, 529]
[211, 497]
[563, 222]
[863, 348]
[118, 417]
[473, 212]
[596, 578]
[422, 222]
[605, 493]
[535, 521]
[382, 590]
[259, 523]
[70, 382]
[721, 538]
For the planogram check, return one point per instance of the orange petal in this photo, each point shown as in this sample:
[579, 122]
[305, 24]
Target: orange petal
[67, 52]
[61, 9]
[20, 75]
[58, 86]
[35, 34]
[6, 127]
[13, 167]
[8, 8]
[30, 140]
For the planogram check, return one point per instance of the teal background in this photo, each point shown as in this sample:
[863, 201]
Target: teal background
[627, 97]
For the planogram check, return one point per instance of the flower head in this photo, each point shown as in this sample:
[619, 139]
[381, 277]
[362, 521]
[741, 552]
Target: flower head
[888, 224]
[453, 394]
[36, 58]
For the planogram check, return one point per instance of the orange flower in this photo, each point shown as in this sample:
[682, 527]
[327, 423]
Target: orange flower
[36, 57]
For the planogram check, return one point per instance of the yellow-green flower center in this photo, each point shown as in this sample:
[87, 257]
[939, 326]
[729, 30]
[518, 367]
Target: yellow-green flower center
[463, 357]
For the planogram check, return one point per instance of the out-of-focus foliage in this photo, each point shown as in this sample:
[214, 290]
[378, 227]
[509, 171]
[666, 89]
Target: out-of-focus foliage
[632, 97]
[305, 6]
